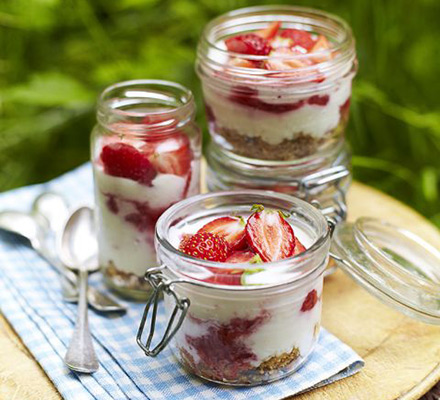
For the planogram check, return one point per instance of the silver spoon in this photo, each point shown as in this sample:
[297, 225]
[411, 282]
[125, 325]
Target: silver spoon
[54, 208]
[26, 226]
[78, 251]
[32, 228]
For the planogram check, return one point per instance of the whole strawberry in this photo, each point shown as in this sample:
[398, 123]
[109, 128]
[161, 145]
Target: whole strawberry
[206, 246]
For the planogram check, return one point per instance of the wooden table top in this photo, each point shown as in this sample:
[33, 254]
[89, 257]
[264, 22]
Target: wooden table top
[402, 356]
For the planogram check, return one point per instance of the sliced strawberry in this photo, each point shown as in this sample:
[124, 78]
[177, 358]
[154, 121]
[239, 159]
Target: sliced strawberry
[270, 235]
[172, 155]
[238, 257]
[249, 43]
[242, 63]
[300, 38]
[310, 301]
[223, 276]
[270, 32]
[299, 247]
[125, 161]
[321, 45]
[285, 63]
[232, 229]
[206, 246]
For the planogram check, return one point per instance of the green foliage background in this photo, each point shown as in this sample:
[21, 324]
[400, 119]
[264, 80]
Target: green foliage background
[57, 55]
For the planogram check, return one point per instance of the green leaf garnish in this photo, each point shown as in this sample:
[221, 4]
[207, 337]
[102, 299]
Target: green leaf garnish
[284, 214]
[256, 259]
[257, 208]
[250, 272]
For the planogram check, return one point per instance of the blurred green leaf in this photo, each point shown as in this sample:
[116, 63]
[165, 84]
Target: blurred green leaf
[51, 89]
[430, 182]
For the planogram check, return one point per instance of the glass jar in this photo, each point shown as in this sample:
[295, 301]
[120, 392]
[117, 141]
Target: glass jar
[282, 105]
[323, 180]
[246, 334]
[146, 156]
[263, 327]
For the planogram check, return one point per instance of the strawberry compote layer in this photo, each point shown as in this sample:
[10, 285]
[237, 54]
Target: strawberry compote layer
[238, 336]
[279, 91]
[136, 181]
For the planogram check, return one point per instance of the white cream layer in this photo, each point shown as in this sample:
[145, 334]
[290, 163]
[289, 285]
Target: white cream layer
[120, 241]
[273, 128]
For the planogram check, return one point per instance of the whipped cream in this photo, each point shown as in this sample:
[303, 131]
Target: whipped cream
[120, 241]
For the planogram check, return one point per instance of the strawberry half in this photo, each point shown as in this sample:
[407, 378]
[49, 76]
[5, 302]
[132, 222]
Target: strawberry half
[239, 257]
[300, 38]
[231, 229]
[206, 246]
[270, 32]
[299, 247]
[249, 43]
[172, 155]
[125, 161]
[223, 276]
[270, 235]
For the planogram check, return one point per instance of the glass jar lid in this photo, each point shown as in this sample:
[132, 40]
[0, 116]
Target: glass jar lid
[395, 265]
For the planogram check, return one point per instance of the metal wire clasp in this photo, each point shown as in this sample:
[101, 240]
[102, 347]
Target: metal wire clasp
[161, 284]
[330, 175]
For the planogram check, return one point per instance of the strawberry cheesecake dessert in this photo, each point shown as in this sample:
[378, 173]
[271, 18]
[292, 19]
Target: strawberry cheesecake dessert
[253, 276]
[145, 158]
[276, 81]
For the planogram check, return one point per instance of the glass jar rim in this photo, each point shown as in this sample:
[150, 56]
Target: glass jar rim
[273, 9]
[178, 100]
[165, 220]
[343, 65]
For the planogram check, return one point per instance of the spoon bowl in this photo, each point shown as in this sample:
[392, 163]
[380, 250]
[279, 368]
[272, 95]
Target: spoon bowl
[79, 247]
[53, 207]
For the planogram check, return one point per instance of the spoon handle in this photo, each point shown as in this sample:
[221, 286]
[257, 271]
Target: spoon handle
[98, 300]
[81, 355]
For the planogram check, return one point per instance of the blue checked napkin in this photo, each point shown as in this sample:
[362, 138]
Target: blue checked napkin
[30, 299]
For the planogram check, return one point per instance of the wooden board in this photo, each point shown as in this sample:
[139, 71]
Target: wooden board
[402, 356]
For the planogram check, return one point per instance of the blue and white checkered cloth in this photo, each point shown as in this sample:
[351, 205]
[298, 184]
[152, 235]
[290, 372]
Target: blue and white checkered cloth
[30, 299]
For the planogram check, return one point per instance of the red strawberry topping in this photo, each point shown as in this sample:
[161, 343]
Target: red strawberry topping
[125, 161]
[270, 235]
[231, 229]
[238, 257]
[206, 246]
[172, 155]
[249, 43]
[300, 38]
[270, 32]
[310, 301]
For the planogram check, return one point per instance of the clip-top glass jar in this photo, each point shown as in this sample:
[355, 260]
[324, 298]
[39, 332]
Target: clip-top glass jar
[277, 81]
[261, 327]
[146, 156]
[248, 324]
[324, 180]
